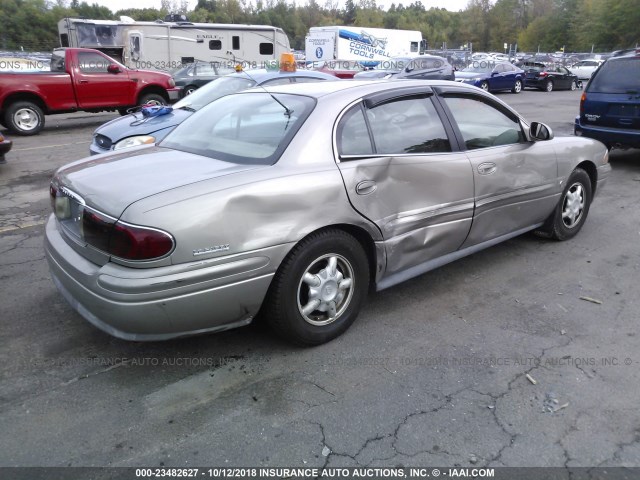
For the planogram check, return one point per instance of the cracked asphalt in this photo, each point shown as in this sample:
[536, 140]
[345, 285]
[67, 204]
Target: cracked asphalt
[494, 360]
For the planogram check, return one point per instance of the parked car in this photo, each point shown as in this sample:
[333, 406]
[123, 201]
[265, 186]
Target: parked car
[191, 77]
[297, 201]
[548, 77]
[80, 79]
[344, 69]
[133, 129]
[5, 146]
[423, 67]
[492, 76]
[610, 104]
[585, 68]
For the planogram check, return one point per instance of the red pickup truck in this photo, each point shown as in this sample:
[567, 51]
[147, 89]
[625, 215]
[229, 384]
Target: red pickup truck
[80, 79]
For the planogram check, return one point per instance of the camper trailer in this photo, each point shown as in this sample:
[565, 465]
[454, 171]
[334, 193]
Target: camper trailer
[166, 45]
[366, 45]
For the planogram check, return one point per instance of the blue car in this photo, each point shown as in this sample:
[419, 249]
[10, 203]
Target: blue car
[134, 129]
[492, 76]
[610, 104]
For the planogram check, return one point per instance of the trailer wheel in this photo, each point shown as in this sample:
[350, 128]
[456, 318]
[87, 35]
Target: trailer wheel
[153, 99]
[24, 118]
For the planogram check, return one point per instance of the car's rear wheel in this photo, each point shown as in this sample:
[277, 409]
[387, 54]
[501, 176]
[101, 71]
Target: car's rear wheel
[485, 86]
[24, 118]
[571, 212]
[319, 288]
[517, 87]
[549, 86]
[189, 89]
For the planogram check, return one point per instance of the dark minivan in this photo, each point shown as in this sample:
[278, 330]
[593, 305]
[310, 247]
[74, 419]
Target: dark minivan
[610, 104]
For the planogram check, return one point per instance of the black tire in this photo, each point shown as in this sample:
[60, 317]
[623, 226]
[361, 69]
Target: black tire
[517, 87]
[573, 86]
[289, 293]
[485, 86]
[188, 90]
[153, 98]
[124, 111]
[549, 86]
[24, 118]
[557, 225]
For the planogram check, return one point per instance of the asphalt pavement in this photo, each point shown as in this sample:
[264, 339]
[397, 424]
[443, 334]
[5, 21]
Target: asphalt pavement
[494, 360]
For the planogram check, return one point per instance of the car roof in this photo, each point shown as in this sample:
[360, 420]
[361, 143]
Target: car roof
[321, 89]
[262, 74]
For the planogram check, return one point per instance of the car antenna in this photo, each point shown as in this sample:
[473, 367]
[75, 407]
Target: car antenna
[283, 67]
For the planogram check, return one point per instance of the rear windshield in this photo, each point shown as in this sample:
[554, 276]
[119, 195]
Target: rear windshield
[242, 128]
[617, 76]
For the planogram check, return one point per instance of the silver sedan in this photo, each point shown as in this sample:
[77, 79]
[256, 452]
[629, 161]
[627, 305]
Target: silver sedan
[293, 203]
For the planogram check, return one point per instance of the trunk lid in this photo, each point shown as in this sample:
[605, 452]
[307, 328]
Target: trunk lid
[110, 183]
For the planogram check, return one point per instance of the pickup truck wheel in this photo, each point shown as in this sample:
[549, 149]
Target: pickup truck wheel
[24, 118]
[152, 99]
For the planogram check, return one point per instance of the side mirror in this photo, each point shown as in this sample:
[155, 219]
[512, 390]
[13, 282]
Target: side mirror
[113, 68]
[540, 131]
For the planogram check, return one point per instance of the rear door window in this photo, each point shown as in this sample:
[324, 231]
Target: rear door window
[617, 76]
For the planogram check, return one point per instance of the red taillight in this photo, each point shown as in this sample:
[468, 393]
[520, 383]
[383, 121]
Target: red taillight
[543, 74]
[96, 229]
[53, 193]
[583, 98]
[138, 243]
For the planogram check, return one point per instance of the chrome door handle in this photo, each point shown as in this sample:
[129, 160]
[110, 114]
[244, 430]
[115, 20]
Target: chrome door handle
[487, 168]
[366, 187]
[83, 81]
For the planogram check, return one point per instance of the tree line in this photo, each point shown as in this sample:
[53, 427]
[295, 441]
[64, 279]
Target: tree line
[485, 25]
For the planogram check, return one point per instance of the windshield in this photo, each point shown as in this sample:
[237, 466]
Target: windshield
[213, 90]
[242, 128]
[617, 76]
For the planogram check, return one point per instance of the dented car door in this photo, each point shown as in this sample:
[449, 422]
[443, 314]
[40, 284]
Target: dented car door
[402, 171]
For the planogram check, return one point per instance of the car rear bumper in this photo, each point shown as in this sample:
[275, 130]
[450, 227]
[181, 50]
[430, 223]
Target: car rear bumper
[164, 302]
[608, 136]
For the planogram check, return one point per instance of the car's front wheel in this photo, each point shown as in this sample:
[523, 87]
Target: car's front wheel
[152, 99]
[517, 87]
[485, 86]
[574, 85]
[319, 289]
[571, 212]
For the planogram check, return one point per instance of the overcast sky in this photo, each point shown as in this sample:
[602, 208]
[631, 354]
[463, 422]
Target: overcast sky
[115, 5]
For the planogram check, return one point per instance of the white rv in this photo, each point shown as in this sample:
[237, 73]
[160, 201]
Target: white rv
[167, 45]
[367, 45]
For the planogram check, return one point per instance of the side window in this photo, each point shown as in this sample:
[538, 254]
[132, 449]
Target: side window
[409, 125]
[499, 68]
[205, 69]
[215, 44]
[92, 63]
[352, 134]
[483, 125]
[266, 48]
[414, 46]
[235, 42]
